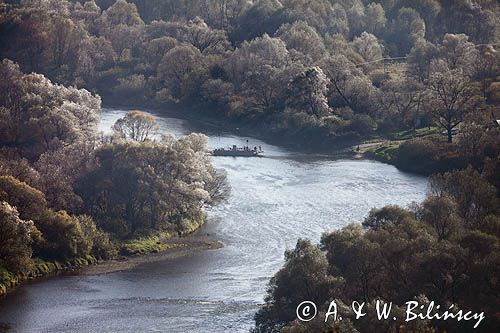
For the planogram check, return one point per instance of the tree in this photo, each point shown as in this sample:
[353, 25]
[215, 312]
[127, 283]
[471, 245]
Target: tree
[150, 185]
[256, 54]
[136, 125]
[60, 235]
[348, 85]
[61, 8]
[452, 94]
[63, 237]
[440, 212]
[65, 39]
[388, 215]
[262, 17]
[205, 39]
[121, 13]
[302, 39]
[420, 59]
[355, 10]
[59, 171]
[131, 88]
[303, 277]
[30, 202]
[15, 239]
[403, 99]
[125, 39]
[259, 69]
[218, 187]
[177, 68]
[375, 19]
[308, 92]
[96, 55]
[100, 244]
[89, 12]
[38, 116]
[322, 15]
[408, 28]
[475, 196]
[458, 53]
[428, 11]
[368, 46]
[156, 48]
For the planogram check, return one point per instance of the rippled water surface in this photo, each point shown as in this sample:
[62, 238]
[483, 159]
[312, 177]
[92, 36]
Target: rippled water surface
[274, 201]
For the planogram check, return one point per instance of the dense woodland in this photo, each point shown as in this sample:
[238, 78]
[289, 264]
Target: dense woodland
[445, 250]
[424, 74]
[309, 73]
[68, 192]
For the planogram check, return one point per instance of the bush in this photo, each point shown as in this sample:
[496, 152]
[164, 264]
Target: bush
[63, 237]
[426, 156]
[15, 239]
[30, 202]
[362, 124]
[100, 244]
[388, 215]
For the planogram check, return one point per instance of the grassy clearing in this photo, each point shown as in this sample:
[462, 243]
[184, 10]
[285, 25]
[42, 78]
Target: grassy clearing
[418, 133]
[386, 152]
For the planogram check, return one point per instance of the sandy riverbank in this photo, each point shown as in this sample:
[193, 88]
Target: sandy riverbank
[176, 248]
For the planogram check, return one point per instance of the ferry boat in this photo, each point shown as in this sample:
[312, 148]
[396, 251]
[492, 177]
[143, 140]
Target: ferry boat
[238, 152]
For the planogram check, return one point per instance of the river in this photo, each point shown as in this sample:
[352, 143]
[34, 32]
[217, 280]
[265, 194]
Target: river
[275, 200]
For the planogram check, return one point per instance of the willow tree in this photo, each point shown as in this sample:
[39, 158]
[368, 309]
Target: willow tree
[136, 125]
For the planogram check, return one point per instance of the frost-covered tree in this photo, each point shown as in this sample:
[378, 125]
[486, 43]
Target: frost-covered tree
[308, 91]
[154, 185]
[15, 239]
[136, 125]
[368, 46]
[348, 85]
[302, 39]
[37, 116]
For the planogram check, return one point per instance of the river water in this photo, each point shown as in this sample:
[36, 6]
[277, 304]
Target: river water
[275, 200]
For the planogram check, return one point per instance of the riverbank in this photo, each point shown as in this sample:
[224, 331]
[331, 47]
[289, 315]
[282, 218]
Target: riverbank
[210, 120]
[275, 201]
[132, 253]
[384, 148]
[174, 248]
[41, 268]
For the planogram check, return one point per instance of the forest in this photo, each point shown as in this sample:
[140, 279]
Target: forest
[421, 76]
[309, 74]
[68, 192]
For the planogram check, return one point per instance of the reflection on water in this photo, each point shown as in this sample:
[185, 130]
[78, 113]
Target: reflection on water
[274, 201]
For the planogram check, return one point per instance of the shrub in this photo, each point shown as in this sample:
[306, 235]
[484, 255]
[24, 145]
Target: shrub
[101, 246]
[30, 202]
[63, 237]
[15, 239]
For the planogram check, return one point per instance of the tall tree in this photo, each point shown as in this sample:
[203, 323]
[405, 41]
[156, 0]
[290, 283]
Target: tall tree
[452, 95]
[136, 125]
[308, 92]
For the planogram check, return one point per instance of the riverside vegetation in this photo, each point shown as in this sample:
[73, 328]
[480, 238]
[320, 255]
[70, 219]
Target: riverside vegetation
[309, 74]
[422, 75]
[69, 196]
